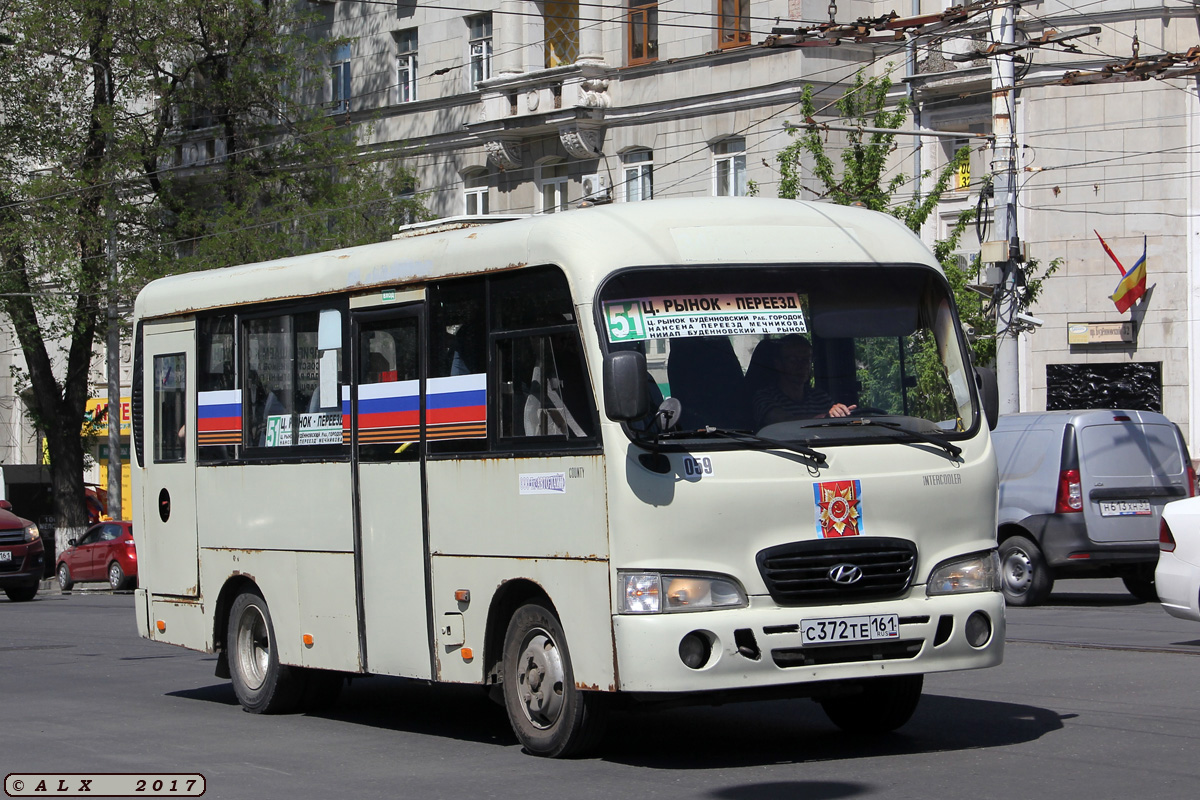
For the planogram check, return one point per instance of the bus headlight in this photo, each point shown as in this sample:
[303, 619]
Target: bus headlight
[654, 592]
[979, 572]
[31, 533]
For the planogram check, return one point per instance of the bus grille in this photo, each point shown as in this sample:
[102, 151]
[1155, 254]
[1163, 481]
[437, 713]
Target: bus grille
[799, 573]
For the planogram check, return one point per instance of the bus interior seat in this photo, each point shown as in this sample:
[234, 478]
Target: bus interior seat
[706, 377]
[761, 374]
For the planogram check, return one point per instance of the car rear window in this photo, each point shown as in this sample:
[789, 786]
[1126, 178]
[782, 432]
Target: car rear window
[1130, 450]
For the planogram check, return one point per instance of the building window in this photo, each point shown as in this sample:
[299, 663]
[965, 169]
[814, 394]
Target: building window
[339, 98]
[643, 31]
[734, 23]
[406, 66]
[481, 48]
[729, 168]
[639, 175]
[552, 185]
[561, 32]
[475, 192]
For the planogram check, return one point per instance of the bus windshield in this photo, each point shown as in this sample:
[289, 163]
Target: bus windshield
[811, 354]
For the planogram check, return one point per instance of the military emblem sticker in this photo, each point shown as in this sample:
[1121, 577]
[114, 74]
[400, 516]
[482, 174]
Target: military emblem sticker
[839, 508]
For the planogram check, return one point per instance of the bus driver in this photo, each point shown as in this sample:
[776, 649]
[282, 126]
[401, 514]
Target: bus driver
[790, 395]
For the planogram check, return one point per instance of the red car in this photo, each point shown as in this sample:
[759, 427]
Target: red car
[104, 552]
[22, 556]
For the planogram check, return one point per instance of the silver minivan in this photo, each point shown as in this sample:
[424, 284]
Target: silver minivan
[1081, 495]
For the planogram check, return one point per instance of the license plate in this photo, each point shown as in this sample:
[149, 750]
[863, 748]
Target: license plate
[5, 555]
[836, 630]
[1124, 508]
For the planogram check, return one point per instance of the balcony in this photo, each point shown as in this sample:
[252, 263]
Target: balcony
[569, 101]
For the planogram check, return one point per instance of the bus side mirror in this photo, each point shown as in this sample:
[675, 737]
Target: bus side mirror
[989, 394]
[625, 386]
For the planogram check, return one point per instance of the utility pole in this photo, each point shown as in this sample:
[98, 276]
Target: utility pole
[1004, 249]
[113, 343]
[113, 349]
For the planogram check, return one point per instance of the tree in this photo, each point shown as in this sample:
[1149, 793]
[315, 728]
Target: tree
[100, 103]
[863, 180]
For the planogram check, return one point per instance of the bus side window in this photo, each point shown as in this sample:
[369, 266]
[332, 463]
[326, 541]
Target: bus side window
[292, 382]
[170, 407]
[219, 401]
[270, 355]
[388, 395]
[457, 347]
[543, 390]
[543, 386]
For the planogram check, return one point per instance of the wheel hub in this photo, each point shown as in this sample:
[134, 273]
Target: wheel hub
[540, 678]
[1018, 571]
[253, 647]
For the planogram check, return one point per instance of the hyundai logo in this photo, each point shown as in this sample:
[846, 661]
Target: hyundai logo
[845, 574]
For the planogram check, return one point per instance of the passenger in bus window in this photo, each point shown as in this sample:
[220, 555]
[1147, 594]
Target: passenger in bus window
[781, 370]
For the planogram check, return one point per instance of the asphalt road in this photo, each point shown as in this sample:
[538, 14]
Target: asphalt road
[1097, 698]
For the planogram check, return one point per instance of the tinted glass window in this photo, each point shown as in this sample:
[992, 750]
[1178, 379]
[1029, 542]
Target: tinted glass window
[219, 400]
[170, 407]
[292, 393]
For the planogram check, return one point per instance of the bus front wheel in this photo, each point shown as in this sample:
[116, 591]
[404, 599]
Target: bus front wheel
[883, 705]
[549, 715]
[261, 683]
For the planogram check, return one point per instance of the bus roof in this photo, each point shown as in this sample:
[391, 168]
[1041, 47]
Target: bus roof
[588, 243]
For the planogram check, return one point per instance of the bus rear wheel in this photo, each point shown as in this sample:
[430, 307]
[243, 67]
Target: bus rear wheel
[883, 705]
[261, 683]
[549, 715]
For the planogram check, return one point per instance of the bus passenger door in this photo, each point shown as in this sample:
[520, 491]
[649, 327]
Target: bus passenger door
[391, 545]
[168, 557]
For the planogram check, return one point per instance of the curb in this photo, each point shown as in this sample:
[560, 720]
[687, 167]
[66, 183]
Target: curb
[50, 586]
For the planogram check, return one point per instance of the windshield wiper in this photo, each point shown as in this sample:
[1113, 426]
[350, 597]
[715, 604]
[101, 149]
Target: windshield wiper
[771, 444]
[928, 438]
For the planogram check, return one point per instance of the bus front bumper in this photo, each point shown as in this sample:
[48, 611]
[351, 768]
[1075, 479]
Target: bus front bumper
[762, 646]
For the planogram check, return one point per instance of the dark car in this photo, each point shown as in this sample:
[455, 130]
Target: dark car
[104, 553]
[22, 556]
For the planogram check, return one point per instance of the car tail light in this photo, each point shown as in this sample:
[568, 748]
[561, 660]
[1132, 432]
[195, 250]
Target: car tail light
[1070, 492]
[1191, 475]
[1166, 541]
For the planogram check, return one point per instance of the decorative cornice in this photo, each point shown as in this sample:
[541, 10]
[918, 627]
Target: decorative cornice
[581, 142]
[504, 153]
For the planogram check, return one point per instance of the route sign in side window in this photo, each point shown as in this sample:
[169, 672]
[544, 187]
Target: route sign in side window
[291, 393]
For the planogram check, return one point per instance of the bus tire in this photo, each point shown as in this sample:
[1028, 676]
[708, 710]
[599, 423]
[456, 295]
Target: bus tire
[549, 715]
[261, 683]
[1025, 576]
[883, 705]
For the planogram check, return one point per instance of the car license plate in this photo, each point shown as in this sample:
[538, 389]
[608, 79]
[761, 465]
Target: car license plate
[1124, 508]
[836, 630]
[5, 555]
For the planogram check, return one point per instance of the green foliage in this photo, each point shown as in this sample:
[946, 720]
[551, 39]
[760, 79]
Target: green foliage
[863, 180]
[98, 101]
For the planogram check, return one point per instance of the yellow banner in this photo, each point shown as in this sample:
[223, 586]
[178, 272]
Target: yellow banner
[95, 417]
